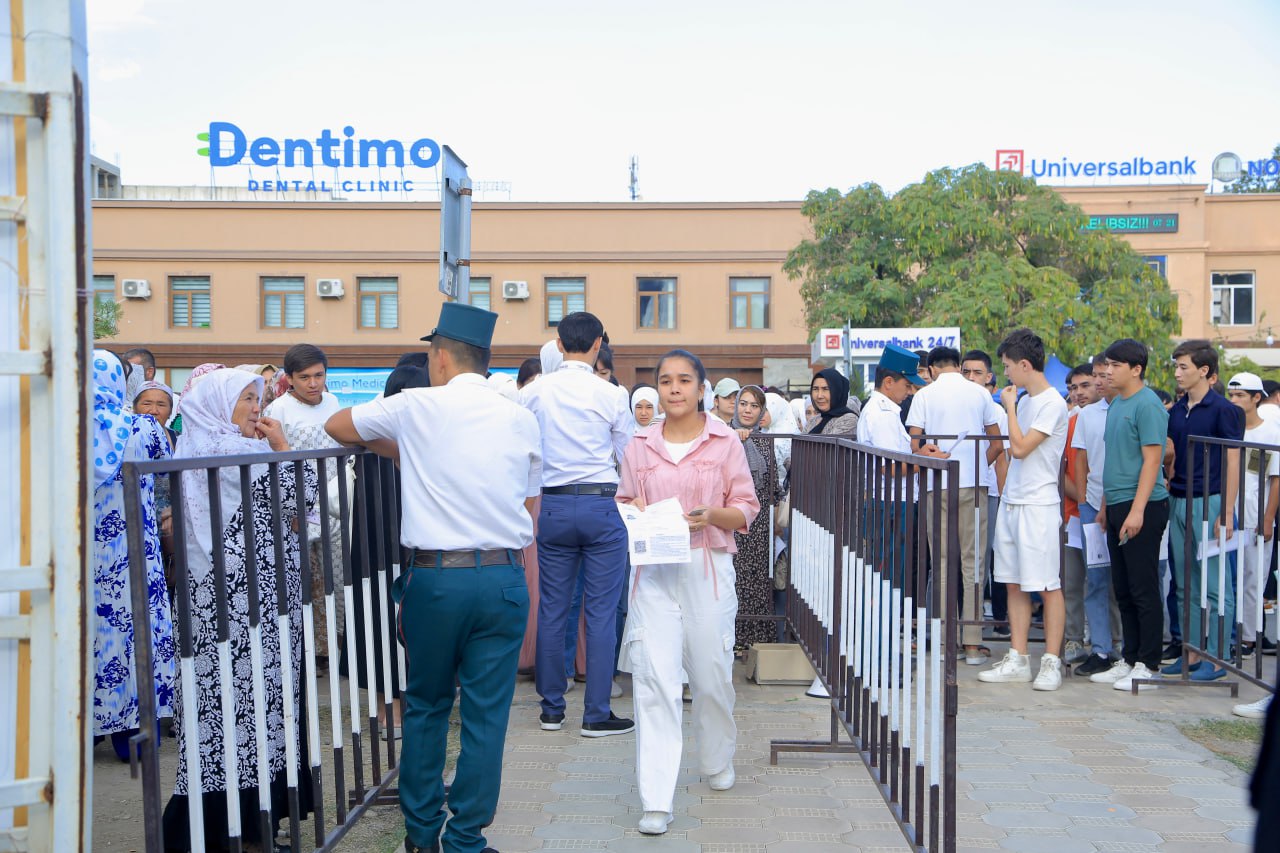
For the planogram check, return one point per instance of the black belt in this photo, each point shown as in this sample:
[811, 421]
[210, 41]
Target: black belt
[607, 490]
[465, 559]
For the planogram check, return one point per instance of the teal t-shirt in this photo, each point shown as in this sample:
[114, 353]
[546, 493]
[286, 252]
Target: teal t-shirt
[1132, 424]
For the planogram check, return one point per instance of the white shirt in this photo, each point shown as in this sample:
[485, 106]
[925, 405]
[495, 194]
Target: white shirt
[1034, 478]
[880, 425]
[586, 423]
[1091, 423]
[991, 480]
[468, 458]
[304, 424]
[1268, 432]
[1269, 412]
[951, 405]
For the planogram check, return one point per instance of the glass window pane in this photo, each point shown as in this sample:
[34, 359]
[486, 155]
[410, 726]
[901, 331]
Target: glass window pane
[555, 310]
[759, 312]
[1244, 306]
[181, 311]
[201, 310]
[104, 288]
[739, 312]
[379, 285]
[750, 285]
[368, 311]
[480, 300]
[271, 306]
[389, 312]
[666, 312]
[295, 308]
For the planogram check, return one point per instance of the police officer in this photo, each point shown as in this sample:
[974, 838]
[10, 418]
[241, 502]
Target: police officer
[471, 463]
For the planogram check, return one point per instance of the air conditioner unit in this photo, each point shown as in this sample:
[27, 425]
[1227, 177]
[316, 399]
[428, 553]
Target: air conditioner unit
[136, 288]
[330, 288]
[515, 290]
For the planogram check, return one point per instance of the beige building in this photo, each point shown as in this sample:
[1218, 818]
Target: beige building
[236, 281]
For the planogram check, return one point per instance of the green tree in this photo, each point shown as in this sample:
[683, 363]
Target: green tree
[1257, 183]
[988, 251]
[106, 319]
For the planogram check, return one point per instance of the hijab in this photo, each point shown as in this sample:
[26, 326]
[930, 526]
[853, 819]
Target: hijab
[839, 398]
[208, 431]
[782, 421]
[756, 459]
[650, 396]
[504, 384]
[251, 368]
[133, 383]
[551, 357]
[112, 425]
[708, 396]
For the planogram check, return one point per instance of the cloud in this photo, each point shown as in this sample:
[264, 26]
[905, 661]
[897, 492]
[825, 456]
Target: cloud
[113, 15]
[108, 71]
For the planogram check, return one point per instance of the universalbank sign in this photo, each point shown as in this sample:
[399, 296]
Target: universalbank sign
[1016, 160]
[228, 145]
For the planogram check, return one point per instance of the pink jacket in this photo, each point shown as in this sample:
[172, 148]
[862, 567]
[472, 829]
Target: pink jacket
[713, 474]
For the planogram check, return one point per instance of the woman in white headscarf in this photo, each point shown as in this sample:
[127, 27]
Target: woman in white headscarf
[644, 406]
[782, 421]
[221, 417]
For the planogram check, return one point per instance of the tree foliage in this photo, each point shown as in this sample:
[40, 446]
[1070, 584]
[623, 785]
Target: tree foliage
[988, 251]
[106, 319]
[1257, 183]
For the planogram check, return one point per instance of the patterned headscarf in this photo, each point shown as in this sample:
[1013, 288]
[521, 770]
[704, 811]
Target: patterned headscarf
[756, 459]
[152, 385]
[112, 426]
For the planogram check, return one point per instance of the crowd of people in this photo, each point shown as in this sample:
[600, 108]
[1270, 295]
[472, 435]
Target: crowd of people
[515, 555]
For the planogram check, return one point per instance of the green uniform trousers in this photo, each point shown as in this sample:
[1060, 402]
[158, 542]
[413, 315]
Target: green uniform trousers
[463, 626]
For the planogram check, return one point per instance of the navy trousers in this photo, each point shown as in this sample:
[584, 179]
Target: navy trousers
[579, 533]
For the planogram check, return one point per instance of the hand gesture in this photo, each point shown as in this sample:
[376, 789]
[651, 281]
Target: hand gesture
[1008, 395]
[698, 518]
[273, 432]
[934, 451]
[743, 434]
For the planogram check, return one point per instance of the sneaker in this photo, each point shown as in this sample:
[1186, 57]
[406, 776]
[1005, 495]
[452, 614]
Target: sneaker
[410, 847]
[1011, 668]
[1094, 664]
[1002, 631]
[1073, 653]
[1247, 650]
[1139, 671]
[615, 691]
[1254, 710]
[654, 823]
[615, 725]
[1268, 647]
[723, 780]
[973, 656]
[1171, 652]
[1118, 670]
[1206, 671]
[568, 688]
[551, 722]
[1050, 675]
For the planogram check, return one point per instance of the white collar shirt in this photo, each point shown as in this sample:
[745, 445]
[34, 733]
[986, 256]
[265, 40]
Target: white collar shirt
[586, 424]
[469, 458]
[303, 423]
[951, 405]
[880, 425]
[1091, 423]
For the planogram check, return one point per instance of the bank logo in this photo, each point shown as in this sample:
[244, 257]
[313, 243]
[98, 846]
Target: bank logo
[204, 151]
[1010, 160]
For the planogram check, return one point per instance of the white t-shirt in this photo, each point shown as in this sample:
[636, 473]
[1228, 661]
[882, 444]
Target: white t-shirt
[1034, 479]
[681, 450]
[1269, 412]
[304, 424]
[1091, 424]
[990, 478]
[951, 405]
[1266, 433]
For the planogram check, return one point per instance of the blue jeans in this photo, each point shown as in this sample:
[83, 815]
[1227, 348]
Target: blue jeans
[1097, 596]
[579, 535]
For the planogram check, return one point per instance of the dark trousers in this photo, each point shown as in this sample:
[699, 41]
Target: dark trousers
[579, 533]
[1135, 574]
[460, 626]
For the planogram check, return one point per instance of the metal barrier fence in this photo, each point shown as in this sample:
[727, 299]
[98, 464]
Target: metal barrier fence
[1222, 580]
[880, 635]
[245, 587]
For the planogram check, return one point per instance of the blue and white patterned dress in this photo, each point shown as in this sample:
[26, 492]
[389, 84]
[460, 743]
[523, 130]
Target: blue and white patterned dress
[120, 437]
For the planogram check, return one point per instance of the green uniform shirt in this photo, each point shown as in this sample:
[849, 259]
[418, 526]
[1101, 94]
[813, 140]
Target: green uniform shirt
[1132, 424]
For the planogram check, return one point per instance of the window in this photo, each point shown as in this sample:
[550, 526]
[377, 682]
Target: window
[480, 293]
[189, 303]
[657, 298]
[1158, 263]
[104, 289]
[379, 303]
[749, 302]
[565, 296]
[1232, 299]
[284, 303]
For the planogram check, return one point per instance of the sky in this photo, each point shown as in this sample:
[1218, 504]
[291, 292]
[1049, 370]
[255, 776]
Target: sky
[719, 101]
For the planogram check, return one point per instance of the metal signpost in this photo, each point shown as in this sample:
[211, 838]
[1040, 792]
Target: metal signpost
[455, 227]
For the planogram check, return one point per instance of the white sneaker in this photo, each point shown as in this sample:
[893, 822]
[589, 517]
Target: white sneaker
[1050, 675]
[1139, 672]
[1011, 668]
[1254, 710]
[1118, 670]
[816, 690]
[723, 780]
[568, 688]
[616, 690]
[654, 823]
[1074, 653]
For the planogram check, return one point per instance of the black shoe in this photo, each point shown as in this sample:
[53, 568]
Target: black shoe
[1094, 664]
[410, 847]
[615, 725]
[551, 722]
[1268, 647]
[1171, 652]
[1002, 631]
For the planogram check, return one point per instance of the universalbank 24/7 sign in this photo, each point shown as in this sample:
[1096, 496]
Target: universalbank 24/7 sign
[229, 145]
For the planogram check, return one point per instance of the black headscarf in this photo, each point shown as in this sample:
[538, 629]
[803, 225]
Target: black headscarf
[839, 398]
[410, 372]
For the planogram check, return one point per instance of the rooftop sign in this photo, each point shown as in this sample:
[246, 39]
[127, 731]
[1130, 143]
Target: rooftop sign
[1015, 160]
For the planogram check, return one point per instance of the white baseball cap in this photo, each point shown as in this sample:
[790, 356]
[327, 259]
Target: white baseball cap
[1247, 382]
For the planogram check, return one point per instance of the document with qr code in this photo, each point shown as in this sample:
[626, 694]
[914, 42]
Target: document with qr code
[658, 535]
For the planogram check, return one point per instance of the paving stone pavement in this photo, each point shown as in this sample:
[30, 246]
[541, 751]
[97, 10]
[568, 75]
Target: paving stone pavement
[1083, 769]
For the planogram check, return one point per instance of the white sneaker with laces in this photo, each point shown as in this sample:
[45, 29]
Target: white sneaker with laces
[723, 780]
[1013, 667]
[1050, 675]
[654, 823]
[1073, 652]
[1139, 671]
[1253, 710]
[1118, 670]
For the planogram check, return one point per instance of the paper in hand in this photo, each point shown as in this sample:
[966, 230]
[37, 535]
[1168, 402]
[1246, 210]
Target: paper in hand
[657, 535]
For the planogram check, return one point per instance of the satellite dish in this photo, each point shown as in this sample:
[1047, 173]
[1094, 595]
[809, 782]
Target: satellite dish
[1227, 167]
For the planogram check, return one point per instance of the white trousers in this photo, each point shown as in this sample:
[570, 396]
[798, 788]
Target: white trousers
[681, 614]
[1253, 582]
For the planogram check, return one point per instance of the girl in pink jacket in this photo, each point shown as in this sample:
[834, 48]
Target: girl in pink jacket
[684, 614]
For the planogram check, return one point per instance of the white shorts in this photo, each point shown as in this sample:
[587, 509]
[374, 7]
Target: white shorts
[1026, 546]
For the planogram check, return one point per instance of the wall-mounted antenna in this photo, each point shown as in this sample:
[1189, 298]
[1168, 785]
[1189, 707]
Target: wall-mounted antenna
[635, 178]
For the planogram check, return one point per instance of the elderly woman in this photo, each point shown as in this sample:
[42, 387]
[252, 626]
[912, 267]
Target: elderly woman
[837, 414]
[222, 418]
[118, 437]
[755, 549]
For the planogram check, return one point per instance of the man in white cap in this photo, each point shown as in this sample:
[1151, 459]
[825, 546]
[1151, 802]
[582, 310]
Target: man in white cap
[726, 398]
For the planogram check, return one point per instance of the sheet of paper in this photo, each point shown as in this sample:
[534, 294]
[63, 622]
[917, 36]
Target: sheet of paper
[950, 448]
[1075, 535]
[657, 536]
[1095, 545]
[1213, 547]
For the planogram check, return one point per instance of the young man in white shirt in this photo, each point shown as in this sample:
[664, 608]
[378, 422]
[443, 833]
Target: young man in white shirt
[950, 405]
[1026, 546]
